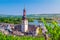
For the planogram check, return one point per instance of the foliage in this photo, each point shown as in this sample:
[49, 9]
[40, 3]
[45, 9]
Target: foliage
[31, 19]
[7, 37]
[14, 20]
[53, 29]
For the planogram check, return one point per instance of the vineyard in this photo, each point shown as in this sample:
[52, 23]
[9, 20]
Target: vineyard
[53, 32]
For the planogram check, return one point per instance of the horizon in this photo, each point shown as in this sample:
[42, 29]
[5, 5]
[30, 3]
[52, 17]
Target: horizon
[28, 14]
[15, 7]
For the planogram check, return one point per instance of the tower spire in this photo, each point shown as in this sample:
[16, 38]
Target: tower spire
[24, 13]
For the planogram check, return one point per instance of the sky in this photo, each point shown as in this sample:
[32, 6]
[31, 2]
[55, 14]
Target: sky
[15, 7]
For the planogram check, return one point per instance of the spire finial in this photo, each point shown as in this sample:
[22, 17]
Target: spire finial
[24, 6]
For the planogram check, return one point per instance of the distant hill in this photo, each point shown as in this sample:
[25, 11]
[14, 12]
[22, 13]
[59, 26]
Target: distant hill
[44, 15]
[10, 15]
[33, 15]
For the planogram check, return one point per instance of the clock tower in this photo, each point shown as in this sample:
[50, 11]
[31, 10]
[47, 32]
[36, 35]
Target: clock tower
[24, 27]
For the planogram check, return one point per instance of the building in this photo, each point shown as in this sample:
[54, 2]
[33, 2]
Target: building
[6, 28]
[24, 27]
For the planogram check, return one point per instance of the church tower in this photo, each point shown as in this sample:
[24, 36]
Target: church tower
[24, 27]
